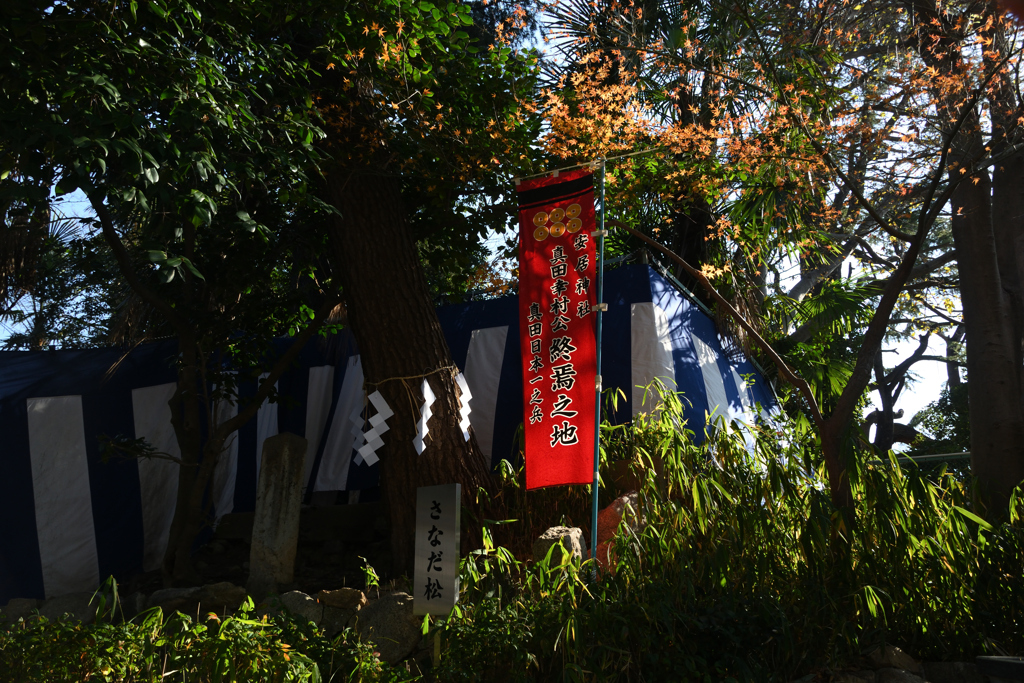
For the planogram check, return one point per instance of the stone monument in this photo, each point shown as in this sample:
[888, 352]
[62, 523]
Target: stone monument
[275, 527]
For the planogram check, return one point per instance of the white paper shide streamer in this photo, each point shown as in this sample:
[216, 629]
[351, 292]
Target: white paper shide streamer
[464, 409]
[367, 443]
[425, 413]
[356, 420]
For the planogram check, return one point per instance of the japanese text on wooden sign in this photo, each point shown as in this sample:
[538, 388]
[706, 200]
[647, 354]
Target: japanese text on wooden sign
[557, 263]
[436, 567]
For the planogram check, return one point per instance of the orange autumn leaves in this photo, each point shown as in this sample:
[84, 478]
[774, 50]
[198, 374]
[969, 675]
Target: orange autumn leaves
[800, 108]
[606, 106]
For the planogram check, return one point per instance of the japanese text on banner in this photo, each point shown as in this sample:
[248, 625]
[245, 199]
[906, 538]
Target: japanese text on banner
[556, 297]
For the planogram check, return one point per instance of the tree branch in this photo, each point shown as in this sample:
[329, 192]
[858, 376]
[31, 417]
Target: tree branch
[267, 385]
[808, 281]
[875, 49]
[124, 262]
[872, 289]
[900, 370]
[784, 370]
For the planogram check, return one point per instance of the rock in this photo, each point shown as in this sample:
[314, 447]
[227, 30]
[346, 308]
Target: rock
[608, 520]
[221, 598]
[275, 529]
[20, 608]
[866, 676]
[1001, 669]
[343, 598]
[389, 624]
[336, 619]
[890, 656]
[891, 675]
[340, 608]
[184, 600]
[75, 605]
[952, 672]
[303, 606]
[571, 539]
[133, 605]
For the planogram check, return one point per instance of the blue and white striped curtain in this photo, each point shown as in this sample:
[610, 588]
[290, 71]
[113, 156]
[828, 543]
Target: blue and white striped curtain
[71, 519]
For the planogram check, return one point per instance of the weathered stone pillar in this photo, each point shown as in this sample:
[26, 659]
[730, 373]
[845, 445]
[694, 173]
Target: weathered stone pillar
[275, 526]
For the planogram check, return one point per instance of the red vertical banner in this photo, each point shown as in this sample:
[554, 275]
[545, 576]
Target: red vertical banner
[557, 267]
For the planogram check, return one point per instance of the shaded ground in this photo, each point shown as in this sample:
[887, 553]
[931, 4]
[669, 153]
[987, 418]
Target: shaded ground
[333, 539]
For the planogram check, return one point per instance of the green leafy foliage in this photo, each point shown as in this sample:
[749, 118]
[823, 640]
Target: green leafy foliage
[180, 648]
[153, 647]
[194, 130]
[163, 109]
[947, 419]
[735, 573]
[71, 297]
[194, 136]
[190, 135]
[415, 89]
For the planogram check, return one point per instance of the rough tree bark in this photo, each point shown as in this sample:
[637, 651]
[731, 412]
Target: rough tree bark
[1008, 189]
[199, 457]
[400, 342]
[1003, 467]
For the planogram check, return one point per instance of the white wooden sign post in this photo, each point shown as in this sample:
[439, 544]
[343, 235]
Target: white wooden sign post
[436, 570]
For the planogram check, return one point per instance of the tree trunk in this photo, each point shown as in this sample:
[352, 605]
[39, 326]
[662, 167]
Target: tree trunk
[993, 369]
[838, 473]
[400, 343]
[952, 349]
[185, 418]
[195, 474]
[884, 426]
[1007, 219]
[987, 295]
[1007, 190]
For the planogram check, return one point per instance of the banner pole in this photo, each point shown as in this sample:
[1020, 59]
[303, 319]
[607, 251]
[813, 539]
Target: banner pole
[597, 403]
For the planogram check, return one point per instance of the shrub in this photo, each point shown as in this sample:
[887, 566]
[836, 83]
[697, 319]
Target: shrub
[155, 647]
[745, 571]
